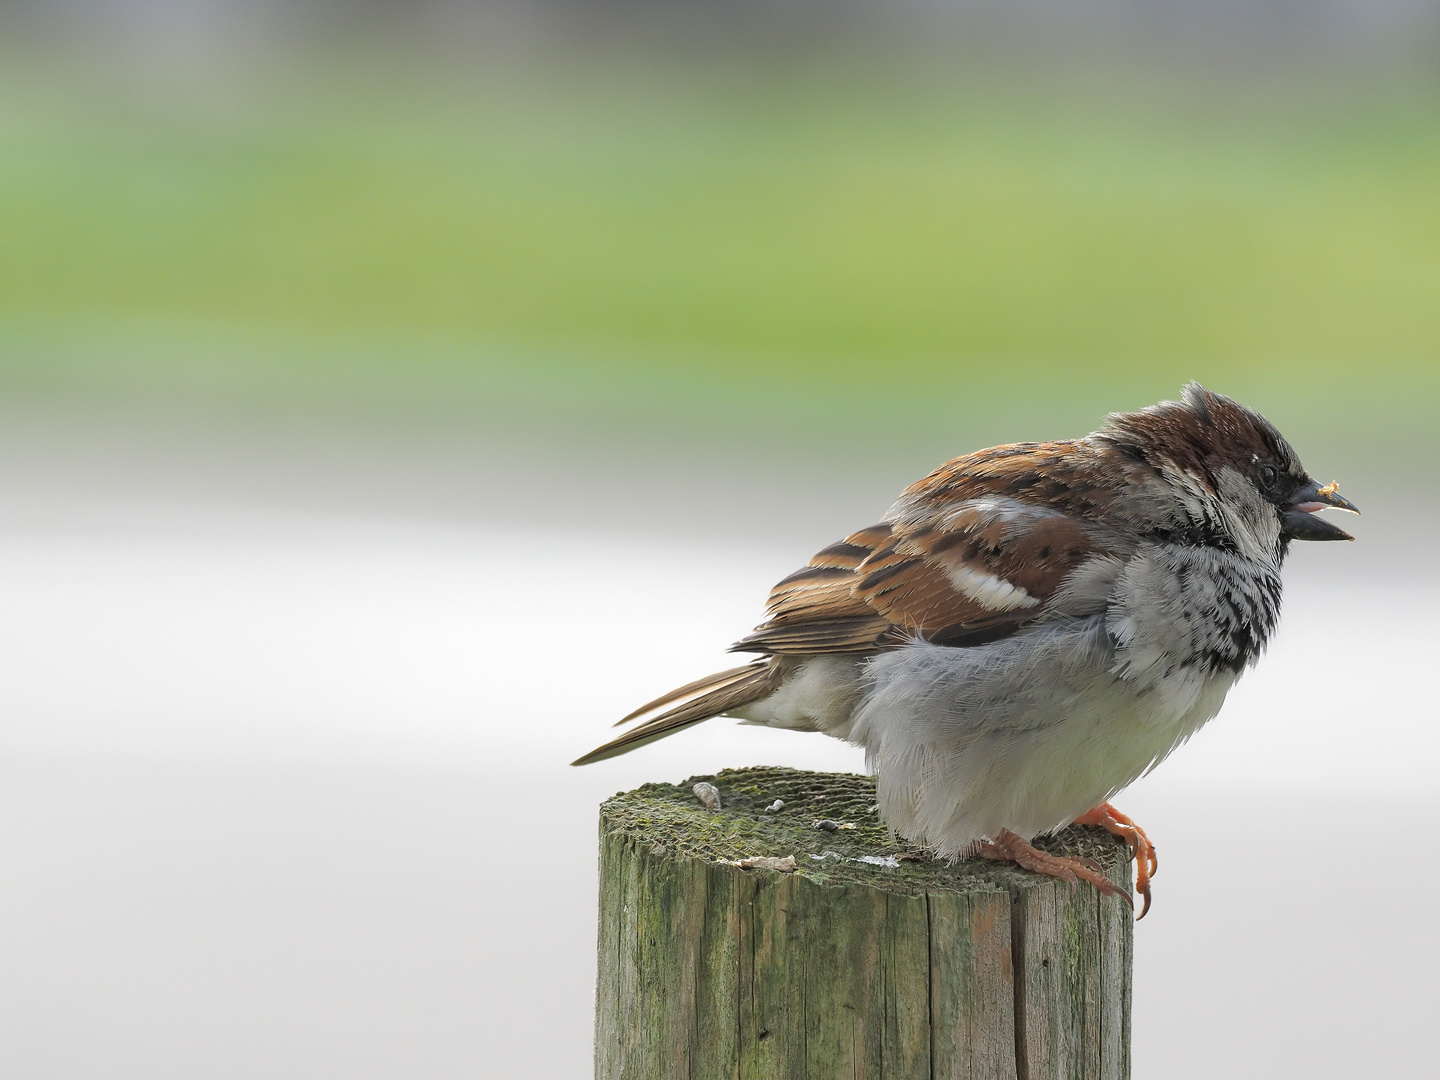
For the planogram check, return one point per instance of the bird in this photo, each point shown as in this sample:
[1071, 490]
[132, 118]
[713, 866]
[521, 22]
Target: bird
[1032, 627]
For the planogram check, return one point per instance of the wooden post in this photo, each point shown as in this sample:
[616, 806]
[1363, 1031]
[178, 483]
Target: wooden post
[862, 961]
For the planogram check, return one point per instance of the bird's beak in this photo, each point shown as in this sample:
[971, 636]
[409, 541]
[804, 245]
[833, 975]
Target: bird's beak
[1298, 520]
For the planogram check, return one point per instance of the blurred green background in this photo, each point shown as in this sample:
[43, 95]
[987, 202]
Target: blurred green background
[836, 251]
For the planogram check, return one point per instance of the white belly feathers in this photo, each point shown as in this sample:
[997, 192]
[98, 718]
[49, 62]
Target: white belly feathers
[1025, 733]
[1021, 734]
[1028, 732]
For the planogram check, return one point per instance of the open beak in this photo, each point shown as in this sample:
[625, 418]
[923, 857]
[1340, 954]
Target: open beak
[1298, 520]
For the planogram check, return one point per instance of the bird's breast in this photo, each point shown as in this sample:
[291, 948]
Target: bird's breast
[1187, 607]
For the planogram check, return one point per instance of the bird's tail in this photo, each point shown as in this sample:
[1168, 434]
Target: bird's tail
[712, 696]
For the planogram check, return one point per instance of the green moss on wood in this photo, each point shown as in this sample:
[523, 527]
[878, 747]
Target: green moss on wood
[671, 820]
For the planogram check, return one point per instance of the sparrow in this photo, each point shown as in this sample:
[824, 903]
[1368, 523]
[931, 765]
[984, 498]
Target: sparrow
[1032, 627]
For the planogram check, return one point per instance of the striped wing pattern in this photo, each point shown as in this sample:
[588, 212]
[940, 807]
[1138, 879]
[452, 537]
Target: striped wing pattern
[963, 558]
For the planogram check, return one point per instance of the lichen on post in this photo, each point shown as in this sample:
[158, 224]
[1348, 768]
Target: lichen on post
[866, 960]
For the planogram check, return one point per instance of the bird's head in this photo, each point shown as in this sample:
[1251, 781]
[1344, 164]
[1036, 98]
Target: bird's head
[1226, 473]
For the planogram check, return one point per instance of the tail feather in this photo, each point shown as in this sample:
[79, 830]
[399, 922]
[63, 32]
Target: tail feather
[727, 690]
[709, 682]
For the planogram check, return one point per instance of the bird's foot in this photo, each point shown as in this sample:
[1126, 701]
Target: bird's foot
[1008, 847]
[1141, 849]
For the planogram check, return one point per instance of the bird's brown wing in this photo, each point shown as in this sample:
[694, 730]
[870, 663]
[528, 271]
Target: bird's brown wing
[976, 550]
[963, 558]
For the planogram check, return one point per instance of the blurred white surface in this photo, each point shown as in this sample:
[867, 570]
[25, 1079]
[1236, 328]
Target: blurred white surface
[285, 796]
[203, 920]
[263, 635]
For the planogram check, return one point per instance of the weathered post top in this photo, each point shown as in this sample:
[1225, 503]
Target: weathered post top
[864, 960]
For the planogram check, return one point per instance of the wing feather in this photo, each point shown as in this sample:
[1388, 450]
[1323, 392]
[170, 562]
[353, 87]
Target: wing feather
[972, 553]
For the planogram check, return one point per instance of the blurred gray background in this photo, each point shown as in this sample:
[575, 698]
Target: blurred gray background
[391, 396]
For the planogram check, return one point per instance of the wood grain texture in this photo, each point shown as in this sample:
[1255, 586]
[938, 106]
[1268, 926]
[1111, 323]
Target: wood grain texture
[844, 968]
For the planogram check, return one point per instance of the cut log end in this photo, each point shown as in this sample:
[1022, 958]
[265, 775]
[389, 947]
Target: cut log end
[867, 959]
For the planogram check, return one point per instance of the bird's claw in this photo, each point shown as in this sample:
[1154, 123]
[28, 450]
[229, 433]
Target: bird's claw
[1142, 851]
[1008, 847]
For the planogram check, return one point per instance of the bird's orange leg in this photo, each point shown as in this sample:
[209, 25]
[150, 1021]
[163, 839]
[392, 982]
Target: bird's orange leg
[1141, 849]
[1008, 847]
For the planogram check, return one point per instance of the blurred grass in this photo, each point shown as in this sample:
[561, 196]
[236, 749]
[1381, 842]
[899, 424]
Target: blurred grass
[742, 248]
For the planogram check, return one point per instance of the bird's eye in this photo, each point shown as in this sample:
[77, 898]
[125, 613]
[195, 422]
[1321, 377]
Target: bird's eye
[1268, 475]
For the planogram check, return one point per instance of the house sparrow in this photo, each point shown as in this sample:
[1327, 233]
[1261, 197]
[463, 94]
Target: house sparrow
[1032, 627]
